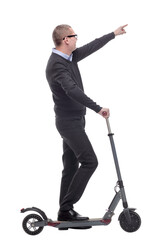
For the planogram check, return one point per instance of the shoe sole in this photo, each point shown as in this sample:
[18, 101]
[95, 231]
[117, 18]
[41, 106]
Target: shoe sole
[62, 228]
[79, 228]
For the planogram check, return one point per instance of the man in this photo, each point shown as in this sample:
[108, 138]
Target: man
[70, 107]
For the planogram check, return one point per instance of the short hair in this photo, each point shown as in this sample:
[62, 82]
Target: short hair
[59, 33]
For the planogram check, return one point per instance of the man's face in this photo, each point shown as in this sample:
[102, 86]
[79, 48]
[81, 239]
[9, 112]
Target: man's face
[72, 40]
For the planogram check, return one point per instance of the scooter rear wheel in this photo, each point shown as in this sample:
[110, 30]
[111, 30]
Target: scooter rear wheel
[135, 222]
[27, 224]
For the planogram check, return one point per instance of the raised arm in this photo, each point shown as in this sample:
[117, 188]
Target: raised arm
[86, 50]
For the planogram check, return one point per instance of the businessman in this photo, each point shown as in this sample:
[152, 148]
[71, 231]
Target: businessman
[70, 102]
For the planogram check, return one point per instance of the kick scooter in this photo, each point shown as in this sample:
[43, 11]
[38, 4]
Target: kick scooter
[129, 220]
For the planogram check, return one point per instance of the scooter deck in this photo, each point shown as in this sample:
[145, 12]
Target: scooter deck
[85, 223]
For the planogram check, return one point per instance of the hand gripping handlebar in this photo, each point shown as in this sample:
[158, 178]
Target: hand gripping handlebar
[107, 121]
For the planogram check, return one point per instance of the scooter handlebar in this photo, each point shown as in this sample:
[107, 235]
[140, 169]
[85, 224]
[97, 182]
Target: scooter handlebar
[107, 121]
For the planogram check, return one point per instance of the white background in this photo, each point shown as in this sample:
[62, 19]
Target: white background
[123, 76]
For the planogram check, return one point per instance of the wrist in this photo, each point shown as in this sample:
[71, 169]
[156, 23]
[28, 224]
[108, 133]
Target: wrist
[115, 33]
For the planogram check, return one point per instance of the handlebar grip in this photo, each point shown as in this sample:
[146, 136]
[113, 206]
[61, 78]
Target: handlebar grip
[107, 121]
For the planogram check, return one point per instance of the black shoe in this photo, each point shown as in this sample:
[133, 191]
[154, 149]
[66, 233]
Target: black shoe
[70, 215]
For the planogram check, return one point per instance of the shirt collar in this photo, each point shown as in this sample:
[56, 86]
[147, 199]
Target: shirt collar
[67, 57]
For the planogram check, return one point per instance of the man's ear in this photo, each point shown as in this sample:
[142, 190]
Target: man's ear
[66, 41]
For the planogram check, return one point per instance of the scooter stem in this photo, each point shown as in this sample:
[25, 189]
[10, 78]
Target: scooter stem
[120, 182]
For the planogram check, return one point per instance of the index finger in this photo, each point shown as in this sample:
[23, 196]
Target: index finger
[124, 25]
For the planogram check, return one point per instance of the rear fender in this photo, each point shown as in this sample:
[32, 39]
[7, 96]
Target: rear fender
[43, 215]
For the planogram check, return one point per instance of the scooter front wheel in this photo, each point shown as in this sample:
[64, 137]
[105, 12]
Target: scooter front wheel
[28, 222]
[135, 222]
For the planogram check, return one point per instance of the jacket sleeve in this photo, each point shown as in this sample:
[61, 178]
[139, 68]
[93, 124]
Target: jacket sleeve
[63, 77]
[86, 50]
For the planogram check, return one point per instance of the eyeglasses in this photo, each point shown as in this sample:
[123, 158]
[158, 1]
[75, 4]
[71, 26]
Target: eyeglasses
[70, 36]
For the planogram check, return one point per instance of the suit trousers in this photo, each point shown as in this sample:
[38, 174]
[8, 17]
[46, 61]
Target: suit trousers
[79, 160]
